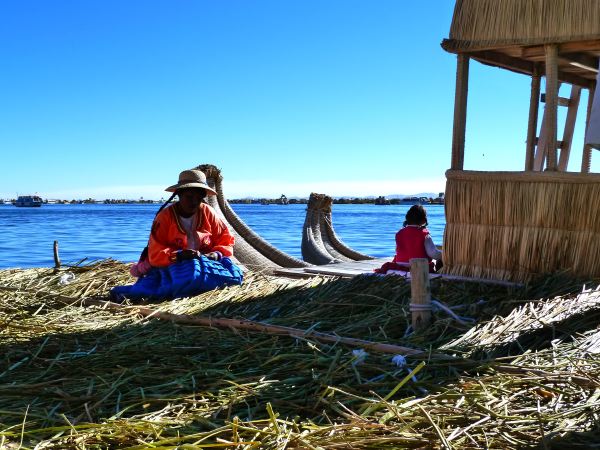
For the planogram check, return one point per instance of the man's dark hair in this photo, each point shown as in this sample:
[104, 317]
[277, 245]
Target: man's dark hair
[202, 191]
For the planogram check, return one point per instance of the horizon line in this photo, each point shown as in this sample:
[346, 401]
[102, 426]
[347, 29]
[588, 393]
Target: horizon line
[250, 197]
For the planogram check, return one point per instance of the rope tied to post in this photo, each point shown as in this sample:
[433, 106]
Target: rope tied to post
[437, 306]
[420, 307]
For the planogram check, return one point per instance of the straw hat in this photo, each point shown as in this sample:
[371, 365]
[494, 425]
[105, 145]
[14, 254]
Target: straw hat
[192, 179]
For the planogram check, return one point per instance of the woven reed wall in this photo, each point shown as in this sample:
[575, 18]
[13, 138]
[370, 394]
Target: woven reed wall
[515, 225]
[493, 23]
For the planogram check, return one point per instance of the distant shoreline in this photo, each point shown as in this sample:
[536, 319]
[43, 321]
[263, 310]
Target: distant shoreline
[252, 201]
[344, 201]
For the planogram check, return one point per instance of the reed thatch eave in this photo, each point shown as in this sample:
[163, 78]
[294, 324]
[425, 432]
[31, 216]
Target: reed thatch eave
[481, 24]
[511, 34]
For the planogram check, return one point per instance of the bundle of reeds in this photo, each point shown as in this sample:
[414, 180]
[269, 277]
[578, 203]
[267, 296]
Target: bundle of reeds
[75, 376]
[484, 24]
[515, 225]
[250, 249]
[320, 242]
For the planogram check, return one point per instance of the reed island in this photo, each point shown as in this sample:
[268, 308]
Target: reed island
[318, 352]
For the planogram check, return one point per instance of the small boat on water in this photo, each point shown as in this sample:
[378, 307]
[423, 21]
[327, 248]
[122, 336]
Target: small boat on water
[414, 200]
[28, 201]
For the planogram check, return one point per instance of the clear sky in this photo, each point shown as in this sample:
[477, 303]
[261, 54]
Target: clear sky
[104, 98]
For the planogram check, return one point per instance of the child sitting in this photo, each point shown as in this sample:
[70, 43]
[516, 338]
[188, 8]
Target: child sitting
[413, 241]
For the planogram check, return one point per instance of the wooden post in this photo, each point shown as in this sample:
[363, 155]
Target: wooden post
[565, 149]
[540, 153]
[551, 103]
[534, 106]
[420, 305]
[56, 257]
[586, 160]
[460, 112]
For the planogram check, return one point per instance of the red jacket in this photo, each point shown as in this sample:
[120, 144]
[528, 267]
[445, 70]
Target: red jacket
[168, 236]
[410, 243]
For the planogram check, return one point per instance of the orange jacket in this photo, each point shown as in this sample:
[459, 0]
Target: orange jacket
[168, 236]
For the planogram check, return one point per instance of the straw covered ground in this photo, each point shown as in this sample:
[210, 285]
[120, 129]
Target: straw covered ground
[78, 373]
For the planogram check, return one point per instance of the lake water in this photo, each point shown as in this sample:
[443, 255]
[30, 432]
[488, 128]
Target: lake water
[121, 231]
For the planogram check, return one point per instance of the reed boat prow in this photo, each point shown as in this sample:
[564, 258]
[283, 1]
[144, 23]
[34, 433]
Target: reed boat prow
[250, 249]
[320, 243]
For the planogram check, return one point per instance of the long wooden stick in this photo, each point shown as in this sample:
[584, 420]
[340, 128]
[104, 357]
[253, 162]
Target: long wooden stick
[259, 327]
[241, 324]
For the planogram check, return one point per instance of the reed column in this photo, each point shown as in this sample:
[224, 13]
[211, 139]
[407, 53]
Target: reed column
[551, 104]
[534, 106]
[460, 111]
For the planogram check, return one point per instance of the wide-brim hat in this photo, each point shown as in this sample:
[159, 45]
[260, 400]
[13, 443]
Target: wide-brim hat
[192, 178]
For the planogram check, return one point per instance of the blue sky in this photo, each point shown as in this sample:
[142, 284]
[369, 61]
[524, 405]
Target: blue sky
[114, 98]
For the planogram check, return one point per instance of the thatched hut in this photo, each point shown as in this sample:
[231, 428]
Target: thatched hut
[515, 225]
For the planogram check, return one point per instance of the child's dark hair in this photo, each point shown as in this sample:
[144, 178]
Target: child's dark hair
[416, 215]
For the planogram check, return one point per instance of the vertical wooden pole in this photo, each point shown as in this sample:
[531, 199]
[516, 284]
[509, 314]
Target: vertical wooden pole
[586, 160]
[565, 149]
[56, 257]
[540, 153]
[534, 106]
[551, 103]
[420, 305]
[460, 111]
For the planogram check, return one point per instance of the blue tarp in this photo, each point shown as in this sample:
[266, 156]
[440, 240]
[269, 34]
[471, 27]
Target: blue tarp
[181, 279]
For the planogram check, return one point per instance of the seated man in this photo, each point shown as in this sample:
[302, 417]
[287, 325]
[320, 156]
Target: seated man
[189, 247]
[189, 227]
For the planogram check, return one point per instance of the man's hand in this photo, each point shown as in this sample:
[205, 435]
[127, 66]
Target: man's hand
[188, 254]
[212, 255]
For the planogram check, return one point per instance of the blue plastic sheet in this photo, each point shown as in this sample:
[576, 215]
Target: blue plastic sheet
[182, 279]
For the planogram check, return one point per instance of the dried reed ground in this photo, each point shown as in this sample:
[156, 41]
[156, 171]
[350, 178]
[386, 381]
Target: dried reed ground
[84, 377]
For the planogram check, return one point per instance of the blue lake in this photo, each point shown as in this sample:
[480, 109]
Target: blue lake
[121, 231]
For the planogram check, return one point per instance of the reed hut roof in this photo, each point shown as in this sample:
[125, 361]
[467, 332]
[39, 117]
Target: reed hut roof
[512, 33]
